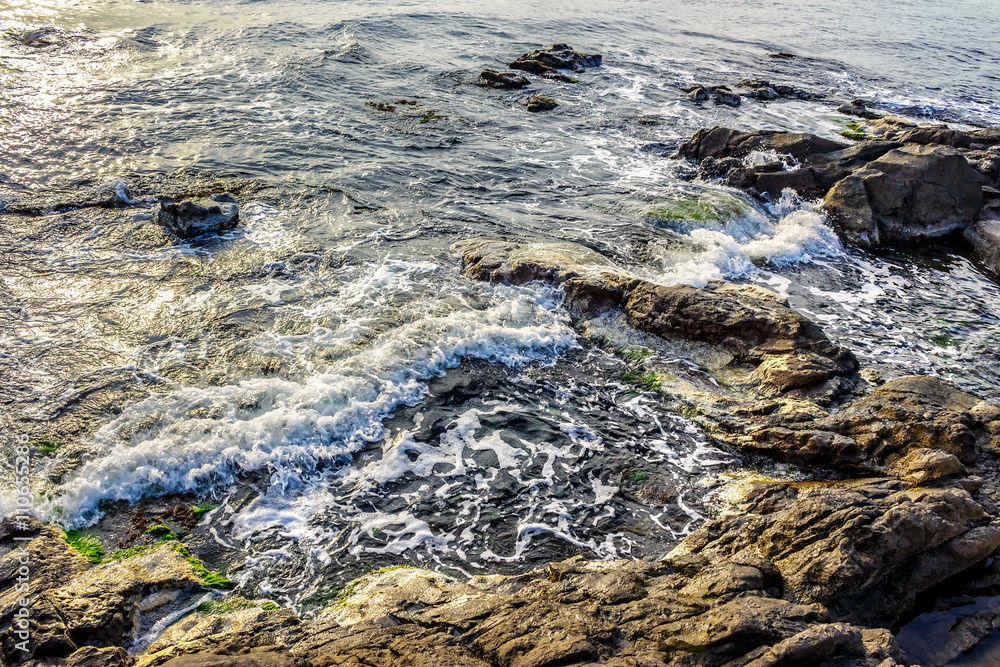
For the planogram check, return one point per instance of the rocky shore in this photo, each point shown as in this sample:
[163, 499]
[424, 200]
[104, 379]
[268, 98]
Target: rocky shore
[901, 513]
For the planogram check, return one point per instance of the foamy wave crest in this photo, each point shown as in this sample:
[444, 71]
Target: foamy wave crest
[202, 437]
[732, 249]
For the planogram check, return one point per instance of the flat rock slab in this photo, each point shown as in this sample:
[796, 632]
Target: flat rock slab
[682, 611]
[865, 548]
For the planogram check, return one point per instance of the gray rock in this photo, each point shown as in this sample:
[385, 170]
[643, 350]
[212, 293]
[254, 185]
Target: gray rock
[908, 195]
[192, 218]
[556, 57]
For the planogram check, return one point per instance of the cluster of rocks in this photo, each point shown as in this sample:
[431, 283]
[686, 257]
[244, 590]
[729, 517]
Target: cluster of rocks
[790, 573]
[903, 185]
[755, 89]
[548, 63]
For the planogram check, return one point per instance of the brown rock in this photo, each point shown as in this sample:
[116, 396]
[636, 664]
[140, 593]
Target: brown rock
[865, 548]
[505, 80]
[541, 103]
[683, 611]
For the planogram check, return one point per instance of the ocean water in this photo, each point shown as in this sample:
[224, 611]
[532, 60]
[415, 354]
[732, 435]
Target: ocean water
[324, 375]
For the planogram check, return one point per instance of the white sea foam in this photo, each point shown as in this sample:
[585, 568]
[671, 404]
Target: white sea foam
[731, 249]
[200, 437]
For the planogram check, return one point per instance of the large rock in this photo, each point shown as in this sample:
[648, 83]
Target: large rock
[910, 194]
[683, 611]
[720, 142]
[816, 163]
[191, 218]
[755, 325]
[865, 548]
[902, 416]
[74, 605]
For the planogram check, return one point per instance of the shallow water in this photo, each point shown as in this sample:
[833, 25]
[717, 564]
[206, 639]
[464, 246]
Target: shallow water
[386, 408]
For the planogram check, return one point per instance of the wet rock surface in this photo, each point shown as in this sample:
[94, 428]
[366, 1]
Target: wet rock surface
[192, 218]
[491, 78]
[911, 423]
[908, 195]
[548, 61]
[541, 103]
[679, 611]
[902, 185]
[785, 351]
[75, 607]
[865, 548]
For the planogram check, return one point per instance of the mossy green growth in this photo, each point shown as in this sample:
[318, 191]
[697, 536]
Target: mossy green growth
[47, 444]
[637, 477]
[87, 545]
[855, 131]
[635, 353]
[161, 531]
[651, 381]
[131, 552]
[705, 208]
[428, 117]
[348, 590]
[198, 510]
[214, 579]
[944, 340]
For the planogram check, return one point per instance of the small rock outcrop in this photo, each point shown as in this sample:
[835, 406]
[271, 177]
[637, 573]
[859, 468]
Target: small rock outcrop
[192, 218]
[548, 61]
[541, 103]
[491, 78]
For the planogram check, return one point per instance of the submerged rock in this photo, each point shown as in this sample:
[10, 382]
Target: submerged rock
[541, 103]
[858, 108]
[506, 80]
[546, 62]
[762, 89]
[191, 218]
